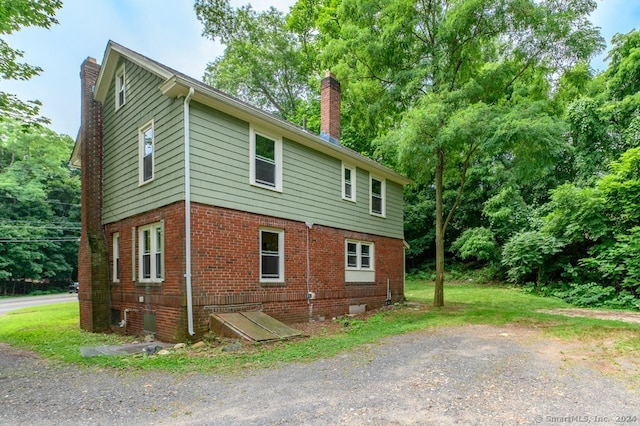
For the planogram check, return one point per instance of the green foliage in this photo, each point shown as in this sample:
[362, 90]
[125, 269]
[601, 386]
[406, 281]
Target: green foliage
[624, 65]
[39, 203]
[601, 227]
[14, 15]
[618, 262]
[594, 295]
[527, 256]
[621, 189]
[594, 138]
[574, 84]
[507, 213]
[576, 214]
[418, 222]
[477, 243]
[264, 62]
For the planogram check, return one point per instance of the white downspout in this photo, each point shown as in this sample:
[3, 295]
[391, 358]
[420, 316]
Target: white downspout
[187, 208]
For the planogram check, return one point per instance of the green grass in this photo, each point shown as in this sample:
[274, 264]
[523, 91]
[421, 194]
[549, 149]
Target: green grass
[53, 331]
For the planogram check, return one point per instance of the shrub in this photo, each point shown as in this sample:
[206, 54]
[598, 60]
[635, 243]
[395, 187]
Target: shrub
[594, 295]
[478, 243]
[527, 254]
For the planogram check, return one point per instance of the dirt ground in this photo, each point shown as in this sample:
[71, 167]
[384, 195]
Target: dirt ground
[602, 355]
[623, 316]
[467, 375]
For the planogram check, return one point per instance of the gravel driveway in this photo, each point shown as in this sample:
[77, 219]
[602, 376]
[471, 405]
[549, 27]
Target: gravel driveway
[465, 375]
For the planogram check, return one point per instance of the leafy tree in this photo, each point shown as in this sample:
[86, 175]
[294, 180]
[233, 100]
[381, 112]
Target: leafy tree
[14, 15]
[265, 62]
[623, 73]
[39, 203]
[460, 79]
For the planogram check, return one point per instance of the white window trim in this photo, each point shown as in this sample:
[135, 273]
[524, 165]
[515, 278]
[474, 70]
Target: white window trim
[252, 159]
[353, 183]
[118, 87]
[383, 189]
[115, 241]
[280, 233]
[153, 227]
[141, 130]
[359, 273]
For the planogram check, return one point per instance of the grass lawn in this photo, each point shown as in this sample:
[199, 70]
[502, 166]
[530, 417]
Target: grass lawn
[52, 331]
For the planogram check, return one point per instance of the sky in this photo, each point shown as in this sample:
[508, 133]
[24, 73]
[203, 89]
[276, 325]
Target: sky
[168, 32]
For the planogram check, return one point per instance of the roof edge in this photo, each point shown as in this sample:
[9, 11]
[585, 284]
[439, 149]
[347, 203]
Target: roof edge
[112, 54]
[178, 86]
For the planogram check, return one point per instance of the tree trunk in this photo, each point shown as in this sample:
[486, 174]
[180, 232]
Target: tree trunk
[438, 296]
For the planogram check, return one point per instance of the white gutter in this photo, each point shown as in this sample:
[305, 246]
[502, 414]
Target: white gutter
[187, 208]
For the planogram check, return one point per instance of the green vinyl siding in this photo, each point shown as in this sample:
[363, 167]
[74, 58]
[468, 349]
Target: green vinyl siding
[123, 196]
[312, 181]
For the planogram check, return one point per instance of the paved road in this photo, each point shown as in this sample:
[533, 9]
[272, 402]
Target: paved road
[11, 303]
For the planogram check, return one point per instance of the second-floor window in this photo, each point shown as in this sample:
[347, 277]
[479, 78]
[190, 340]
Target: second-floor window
[147, 148]
[121, 87]
[348, 183]
[266, 161]
[377, 193]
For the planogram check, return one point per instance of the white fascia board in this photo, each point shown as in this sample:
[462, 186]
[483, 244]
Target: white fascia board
[110, 62]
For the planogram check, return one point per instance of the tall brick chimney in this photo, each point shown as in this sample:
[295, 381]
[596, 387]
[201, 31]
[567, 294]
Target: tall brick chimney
[93, 269]
[330, 109]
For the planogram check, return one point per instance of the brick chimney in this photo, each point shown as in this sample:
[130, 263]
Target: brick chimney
[330, 109]
[93, 269]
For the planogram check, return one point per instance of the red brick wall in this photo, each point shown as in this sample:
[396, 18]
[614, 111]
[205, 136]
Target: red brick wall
[93, 292]
[330, 106]
[167, 301]
[226, 275]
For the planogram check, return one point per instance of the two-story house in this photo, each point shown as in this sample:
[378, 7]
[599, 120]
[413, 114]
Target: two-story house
[194, 202]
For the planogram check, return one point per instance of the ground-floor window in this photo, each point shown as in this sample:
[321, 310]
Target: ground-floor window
[359, 261]
[271, 255]
[116, 257]
[151, 252]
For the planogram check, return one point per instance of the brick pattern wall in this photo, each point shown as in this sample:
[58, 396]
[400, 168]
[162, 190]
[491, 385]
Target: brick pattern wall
[330, 106]
[167, 301]
[93, 291]
[226, 271]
